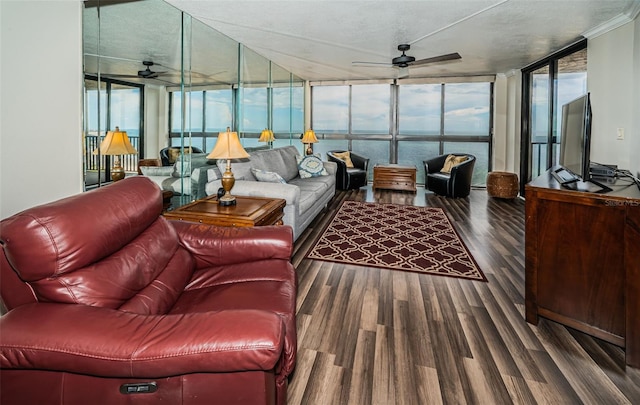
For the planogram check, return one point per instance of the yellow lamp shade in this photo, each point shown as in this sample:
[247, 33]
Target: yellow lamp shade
[116, 143]
[228, 147]
[267, 136]
[309, 136]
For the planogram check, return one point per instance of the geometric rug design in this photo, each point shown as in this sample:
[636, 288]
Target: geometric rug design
[398, 237]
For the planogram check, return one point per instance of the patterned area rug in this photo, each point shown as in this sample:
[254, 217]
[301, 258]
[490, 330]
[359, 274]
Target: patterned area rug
[397, 237]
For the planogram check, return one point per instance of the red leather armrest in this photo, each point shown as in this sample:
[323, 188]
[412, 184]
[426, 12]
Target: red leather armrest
[111, 343]
[218, 246]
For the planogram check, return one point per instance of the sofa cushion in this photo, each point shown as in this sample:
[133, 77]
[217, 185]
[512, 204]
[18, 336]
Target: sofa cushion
[310, 166]
[451, 161]
[269, 177]
[346, 157]
[174, 153]
[280, 160]
[241, 168]
[165, 171]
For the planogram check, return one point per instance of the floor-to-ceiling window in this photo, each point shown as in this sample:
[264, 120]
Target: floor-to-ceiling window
[120, 105]
[547, 85]
[209, 112]
[405, 123]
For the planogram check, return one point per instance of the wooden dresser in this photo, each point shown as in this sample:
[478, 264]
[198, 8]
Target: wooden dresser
[394, 177]
[582, 265]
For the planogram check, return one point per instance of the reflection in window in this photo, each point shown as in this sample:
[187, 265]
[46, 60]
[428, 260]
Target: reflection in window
[419, 109]
[330, 111]
[370, 109]
[121, 105]
[467, 109]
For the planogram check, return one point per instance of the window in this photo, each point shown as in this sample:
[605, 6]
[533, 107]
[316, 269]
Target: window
[432, 119]
[209, 112]
[419, 109]
[330, 109]
[121, 105]
[547, 85]
[466, 109]
[370, 109]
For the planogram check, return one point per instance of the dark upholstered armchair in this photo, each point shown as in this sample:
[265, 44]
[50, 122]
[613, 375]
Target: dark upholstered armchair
[166, 159]
[108, 303]
[348, 178]
[455, 184]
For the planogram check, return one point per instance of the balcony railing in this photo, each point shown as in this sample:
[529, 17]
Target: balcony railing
[128, 162]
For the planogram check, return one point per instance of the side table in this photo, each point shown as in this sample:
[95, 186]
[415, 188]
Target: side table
[248, 211]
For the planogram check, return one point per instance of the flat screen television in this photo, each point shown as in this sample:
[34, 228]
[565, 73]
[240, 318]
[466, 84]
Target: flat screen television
[575, 147]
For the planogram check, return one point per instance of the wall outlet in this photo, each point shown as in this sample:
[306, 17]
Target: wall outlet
[620, 134]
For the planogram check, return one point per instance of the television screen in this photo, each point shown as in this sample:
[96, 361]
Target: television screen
[575, 148]
[575, 138]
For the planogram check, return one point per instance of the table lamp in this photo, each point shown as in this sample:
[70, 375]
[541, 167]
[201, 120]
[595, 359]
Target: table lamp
[267, 136]
[308, 138]
[228, 147]
[116, 143]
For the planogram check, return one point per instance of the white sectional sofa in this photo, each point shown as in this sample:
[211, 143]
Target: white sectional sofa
[305, 197]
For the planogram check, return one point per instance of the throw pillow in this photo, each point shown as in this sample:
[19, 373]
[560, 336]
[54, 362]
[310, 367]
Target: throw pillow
[346, 157]
[174, 153]
[310, 166]
[269, 177]
[164, 171]
[452, 160]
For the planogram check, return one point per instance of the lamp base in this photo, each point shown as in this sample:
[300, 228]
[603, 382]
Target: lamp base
[227, 200]
[227, 184]
[117, 173]
[309, 150]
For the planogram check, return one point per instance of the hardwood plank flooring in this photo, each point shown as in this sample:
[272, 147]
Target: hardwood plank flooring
[377, 336]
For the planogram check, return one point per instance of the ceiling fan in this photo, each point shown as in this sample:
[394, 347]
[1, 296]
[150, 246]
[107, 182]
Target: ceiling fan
[405, 60]
[143, 74]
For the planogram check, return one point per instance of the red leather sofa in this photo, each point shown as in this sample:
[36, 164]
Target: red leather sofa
[108, 303]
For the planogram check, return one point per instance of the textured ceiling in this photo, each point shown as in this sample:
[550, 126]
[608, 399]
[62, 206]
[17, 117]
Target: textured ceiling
[319, 40]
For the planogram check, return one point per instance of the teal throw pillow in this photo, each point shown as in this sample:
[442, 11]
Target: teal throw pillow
[269, 177]
[310, 166]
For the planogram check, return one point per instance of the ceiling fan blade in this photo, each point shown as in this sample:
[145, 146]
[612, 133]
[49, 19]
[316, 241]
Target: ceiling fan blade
[372, 64]
[435, 59]
[115, 75]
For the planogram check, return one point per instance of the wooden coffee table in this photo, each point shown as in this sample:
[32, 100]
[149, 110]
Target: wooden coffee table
[394, 177]
[248, 211]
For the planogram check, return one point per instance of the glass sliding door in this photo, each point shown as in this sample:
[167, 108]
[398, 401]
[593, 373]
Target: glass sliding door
[547, 85]
[540, 118]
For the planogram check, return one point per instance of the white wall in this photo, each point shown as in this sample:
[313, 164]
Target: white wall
[612, 80]
[506, 128]
[156, 120]
[41, 102]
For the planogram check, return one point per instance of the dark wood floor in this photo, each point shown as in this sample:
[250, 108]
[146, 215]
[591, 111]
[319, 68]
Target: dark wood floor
[376, 336]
